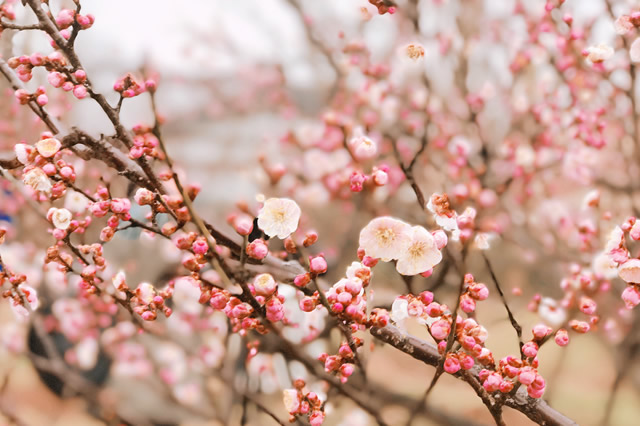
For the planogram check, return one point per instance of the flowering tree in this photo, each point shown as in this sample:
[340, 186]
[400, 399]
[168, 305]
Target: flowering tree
[486, 139]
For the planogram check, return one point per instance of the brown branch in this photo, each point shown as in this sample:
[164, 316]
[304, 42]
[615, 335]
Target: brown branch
[535, 409]
[37, 109]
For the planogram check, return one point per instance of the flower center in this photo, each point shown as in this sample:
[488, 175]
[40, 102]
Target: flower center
[417, 249]
[278, 215]
[385, 235]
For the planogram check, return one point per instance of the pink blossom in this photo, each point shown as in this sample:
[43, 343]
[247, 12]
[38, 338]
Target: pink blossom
[451, 365]
[631, 296]
[440, 329]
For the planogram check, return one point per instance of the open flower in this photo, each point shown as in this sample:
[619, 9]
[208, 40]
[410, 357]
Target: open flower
[61, 218]
[279, 217]
[599, 53]
[551, 312]
[37, 180]
[48, 147]
[630, 271]
[421, 255]
[444, 215]
[385, 238]
[23, 152]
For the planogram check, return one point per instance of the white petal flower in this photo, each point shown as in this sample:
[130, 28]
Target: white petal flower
[615, 240]
[483, 240]
[362, 147]
[145, 293]
[290, 399]
[551, 312]
[603, 265]
[623, 25]
[48, 147]
[599, 53]
[630, 271]
[399, 312]
[22, 152]
[279, 217]
[75, 202]
[61, 218]
[87, 353]
[421, 255]
[442, 213]
[385, 238]
[37, 180]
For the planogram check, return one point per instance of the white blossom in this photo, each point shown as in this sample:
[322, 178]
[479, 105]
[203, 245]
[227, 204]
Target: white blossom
[385, 238]
[421, 255]
[61, 218]
[279, 217]
[37, 180]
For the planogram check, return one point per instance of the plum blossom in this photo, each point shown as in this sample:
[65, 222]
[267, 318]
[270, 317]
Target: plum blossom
[37, 180]
[75, 202]
[61, 218]
[363, 147]
[399, 312]
[279, 217]
[23, 151]
[385, 238]
[551, 312]
[442, 212]
[31, 297]
[421, 255]
[599, 53]
[291, 400]
[623, 25]
[630, 271]
[631, 296]
[48, 147]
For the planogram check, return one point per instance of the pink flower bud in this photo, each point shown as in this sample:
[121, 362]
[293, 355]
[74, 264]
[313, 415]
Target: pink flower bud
[451, 365]
[357, 181]
[426, 297]
[120, 205]
[307, 304]
[302, 280]
[440, 238]
[257, 249]
[562, 337]
[467, 304]
[380, 177]
[631, 296]
[541, 331]
[200, 247]
[346, 370]
[310, 238]
[42, 100]
[79, 91]
[492, 382]
[353, 286]
[527, 376]
[143, 196]
[318, 265]
[530, 349]
[243, 225]
[587, 305]
[440, 329]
